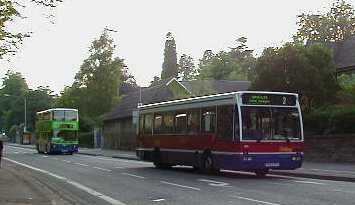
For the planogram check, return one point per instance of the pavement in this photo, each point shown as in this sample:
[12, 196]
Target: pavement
[315, 170]
[85, 179]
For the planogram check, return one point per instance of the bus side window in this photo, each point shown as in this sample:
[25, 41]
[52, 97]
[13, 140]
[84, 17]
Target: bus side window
[225, 122]
[158, 123]
[236, 124]
[168, 123]
[208, 120]
[180, 122]
[148, 124]
[141, 124]
[193, 121]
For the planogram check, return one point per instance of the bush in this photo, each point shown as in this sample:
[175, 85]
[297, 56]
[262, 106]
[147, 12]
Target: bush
[337, 119]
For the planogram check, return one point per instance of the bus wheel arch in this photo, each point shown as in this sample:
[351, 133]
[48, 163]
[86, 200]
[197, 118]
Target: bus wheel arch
[208, 164]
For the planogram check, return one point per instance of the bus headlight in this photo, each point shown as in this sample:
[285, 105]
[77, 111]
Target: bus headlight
[296, 158]
[247, 158]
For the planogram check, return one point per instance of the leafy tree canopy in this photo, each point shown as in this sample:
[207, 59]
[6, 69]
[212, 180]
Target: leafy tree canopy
[9, 11]
[236, 64]
[170, 66]
[187, 69]
[308, 71]
[96, 87]
[335, 25]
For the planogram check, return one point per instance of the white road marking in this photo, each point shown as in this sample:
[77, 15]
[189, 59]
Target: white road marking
[10, 146]
[44, 156]
[214, 183]
[103, 169]
[74, 183]
[16, 152]
[344, 191]
[84, 165]
[254, 200]
[335, 171]
[133, 175]
[308, 182]
[120, 167]
[117, 160]
[182, 186]
[158, 200]
[67, 161]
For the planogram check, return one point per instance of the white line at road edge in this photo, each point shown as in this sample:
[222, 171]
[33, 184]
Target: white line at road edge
[182, 186]
[254, 200]
[75, 184]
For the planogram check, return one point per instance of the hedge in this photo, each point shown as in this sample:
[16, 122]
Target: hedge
[336, 119]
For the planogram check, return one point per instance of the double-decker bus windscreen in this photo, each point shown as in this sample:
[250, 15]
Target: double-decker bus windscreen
[270, 123]
[66, 135]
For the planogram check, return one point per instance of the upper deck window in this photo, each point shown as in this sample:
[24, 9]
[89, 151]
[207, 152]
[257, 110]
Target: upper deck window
[65, 115]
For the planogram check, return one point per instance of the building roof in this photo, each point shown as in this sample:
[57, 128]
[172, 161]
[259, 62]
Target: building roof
[343, 53]
[163, 92]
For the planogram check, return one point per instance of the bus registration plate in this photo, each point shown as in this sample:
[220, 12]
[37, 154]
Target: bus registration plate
[272, 164]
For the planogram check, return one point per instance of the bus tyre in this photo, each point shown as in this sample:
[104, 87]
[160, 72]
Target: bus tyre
[207, 165]
[38, 149]
[261, 173]
[48, 149]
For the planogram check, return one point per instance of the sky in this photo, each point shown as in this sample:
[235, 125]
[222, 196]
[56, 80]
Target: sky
[58, 45]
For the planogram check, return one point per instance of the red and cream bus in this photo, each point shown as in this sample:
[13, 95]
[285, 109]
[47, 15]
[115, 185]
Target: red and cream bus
[247, 131]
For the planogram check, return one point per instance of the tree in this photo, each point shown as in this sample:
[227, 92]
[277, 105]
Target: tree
[335, 25]
[12, 96]
[309, 71]
[13, 91]
[236, 64]
[38, 100]
[170, 66]
[96, 87]
[156, 81]
[9, 10]
[347, 93]
[187, 70]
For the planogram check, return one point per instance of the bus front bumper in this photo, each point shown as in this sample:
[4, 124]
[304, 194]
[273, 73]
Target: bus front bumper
[260, 161]
[64, 148]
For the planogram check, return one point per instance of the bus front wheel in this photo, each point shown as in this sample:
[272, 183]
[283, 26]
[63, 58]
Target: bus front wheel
[261, 173]
[208, 165]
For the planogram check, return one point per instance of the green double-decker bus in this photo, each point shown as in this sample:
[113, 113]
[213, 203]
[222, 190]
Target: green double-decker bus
[57, 131]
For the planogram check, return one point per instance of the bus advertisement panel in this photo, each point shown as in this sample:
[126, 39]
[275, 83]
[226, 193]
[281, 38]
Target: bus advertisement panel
[248, 131]
[57, 131]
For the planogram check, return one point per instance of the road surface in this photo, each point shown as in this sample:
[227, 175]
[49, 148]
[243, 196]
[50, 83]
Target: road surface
[100, 180]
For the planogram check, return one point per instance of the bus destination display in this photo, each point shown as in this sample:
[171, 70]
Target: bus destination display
[268, 99]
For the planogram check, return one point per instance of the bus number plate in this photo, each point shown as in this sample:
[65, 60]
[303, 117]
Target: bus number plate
[272, 164]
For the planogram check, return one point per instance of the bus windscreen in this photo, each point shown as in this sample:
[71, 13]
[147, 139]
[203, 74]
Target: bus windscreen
[266, 123]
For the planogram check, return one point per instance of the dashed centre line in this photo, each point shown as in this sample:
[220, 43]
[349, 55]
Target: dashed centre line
[80, 164]
[181, 186]
[254, 200]
[308, 182]
[102, 169]
[67, 161]
[133, 175]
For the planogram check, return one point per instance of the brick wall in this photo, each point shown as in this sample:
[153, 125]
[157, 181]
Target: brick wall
[330, 148]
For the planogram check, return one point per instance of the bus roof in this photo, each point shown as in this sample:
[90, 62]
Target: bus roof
[222, 98]
[57, 109]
